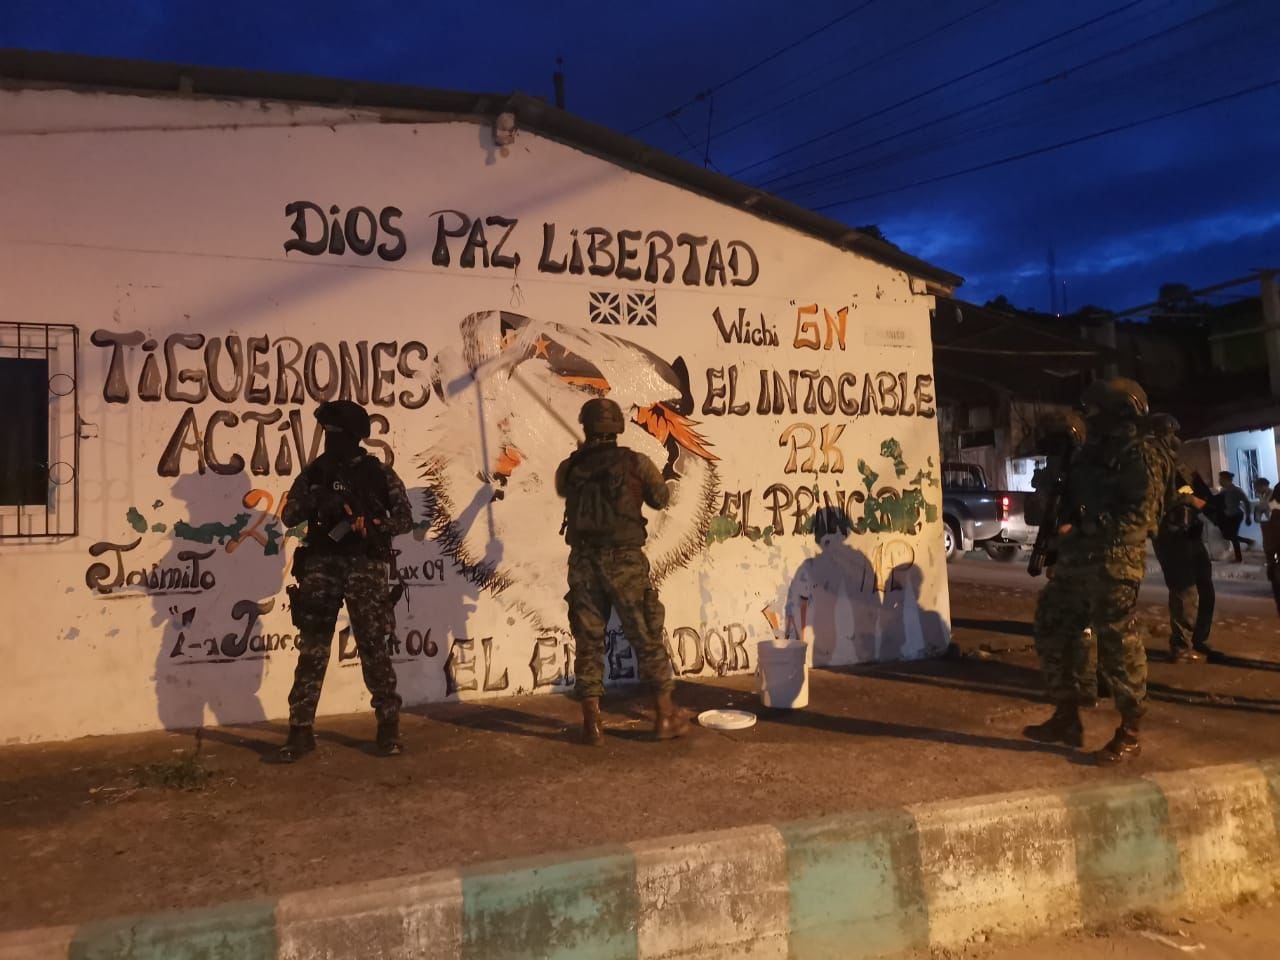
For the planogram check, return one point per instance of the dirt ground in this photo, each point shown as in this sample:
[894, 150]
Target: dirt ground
[107, 826]
[1248, 932]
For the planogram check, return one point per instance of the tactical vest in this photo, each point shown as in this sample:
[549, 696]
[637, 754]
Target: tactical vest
[362, 485]
[604, 497]
[1095, 475]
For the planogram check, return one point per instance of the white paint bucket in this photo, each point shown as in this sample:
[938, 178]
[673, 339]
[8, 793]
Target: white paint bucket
[783, 675]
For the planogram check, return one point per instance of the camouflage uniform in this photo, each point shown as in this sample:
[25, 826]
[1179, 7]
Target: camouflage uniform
[1064, 439]
[355, 571]
[1117, 488]
[1191, 607]
[1188, 573]
[612, 574]
[1084, 669]
[1159, 465]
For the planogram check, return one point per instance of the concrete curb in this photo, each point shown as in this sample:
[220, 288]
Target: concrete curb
[852, 886]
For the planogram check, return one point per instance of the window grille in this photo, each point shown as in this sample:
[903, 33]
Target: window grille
[39, 431]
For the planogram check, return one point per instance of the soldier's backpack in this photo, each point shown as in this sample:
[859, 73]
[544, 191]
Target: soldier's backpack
[596, 486]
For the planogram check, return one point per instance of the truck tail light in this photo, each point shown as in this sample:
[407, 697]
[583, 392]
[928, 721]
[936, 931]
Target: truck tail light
[1004, 509]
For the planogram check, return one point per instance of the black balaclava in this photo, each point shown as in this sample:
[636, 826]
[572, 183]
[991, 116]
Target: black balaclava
[341, 444]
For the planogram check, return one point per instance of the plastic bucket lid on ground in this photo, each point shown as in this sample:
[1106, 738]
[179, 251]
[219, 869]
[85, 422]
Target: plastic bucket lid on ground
[727, 719]
[783, 675]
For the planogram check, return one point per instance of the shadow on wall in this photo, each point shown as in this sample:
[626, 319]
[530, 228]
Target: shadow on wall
[444, 612]
[212, 649]
[861, 610]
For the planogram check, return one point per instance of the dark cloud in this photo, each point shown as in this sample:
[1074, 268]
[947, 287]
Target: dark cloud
[1193, 197]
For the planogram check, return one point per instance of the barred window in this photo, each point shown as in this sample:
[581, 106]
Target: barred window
[39, 430]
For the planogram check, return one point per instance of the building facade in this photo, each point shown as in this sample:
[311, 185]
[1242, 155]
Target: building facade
[195, 259]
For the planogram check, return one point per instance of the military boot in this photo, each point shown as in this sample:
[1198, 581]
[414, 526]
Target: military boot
[1124, 745]
[388, 738]
[670, 721]
[592, 730]
[1063, 727]
[301, 741]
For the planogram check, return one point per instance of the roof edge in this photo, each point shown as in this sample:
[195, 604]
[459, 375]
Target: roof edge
[559, 124]
[79, 71]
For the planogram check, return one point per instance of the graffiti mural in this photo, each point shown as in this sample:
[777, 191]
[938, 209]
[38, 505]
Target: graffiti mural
[263, 371]
[494, 242]
[513, 387]
[770, 375]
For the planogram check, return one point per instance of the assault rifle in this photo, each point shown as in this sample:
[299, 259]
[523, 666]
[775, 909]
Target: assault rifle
[1051, 489]
[353, 507]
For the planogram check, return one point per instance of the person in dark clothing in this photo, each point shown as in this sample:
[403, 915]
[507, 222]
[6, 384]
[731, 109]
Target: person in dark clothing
[1184, 559]
[1271, 544]
[1235, 511]
[1117, 496]
[353, 506]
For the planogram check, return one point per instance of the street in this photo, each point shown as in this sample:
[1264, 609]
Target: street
[884, 735]
[1238, 597]
[1253, 932]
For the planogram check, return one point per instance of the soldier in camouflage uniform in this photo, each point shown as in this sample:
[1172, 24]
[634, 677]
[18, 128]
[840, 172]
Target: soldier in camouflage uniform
[353, 506]
[605, 486]
[1184, 559]
[1065, 436]
[1116, 490]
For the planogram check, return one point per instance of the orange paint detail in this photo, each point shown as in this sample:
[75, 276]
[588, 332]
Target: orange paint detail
[662, 422]
[508, 460]
[595, 383]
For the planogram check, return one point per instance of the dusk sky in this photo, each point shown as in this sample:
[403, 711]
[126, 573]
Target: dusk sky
[872, 99]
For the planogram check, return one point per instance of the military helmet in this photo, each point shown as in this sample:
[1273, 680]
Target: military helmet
[1068, 424]
[1117, 397]
[600, 416]
[1165, 426]
[345, 415]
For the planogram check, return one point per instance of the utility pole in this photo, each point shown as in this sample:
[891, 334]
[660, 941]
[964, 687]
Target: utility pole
[1271, 327]
[1053, 283]
[558, 79]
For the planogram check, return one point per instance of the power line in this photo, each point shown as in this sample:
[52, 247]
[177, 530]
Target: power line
[1205, 69]
[693, 146]
[1055, 75]
[711, 109]
[941, 86]
[715, 88]
[1043, 81]
[1097, 134]
[865, 65]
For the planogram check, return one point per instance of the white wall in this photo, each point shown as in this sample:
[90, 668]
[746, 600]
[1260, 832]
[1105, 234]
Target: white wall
[1235, 445]
[159, 228]
[1021, 471]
